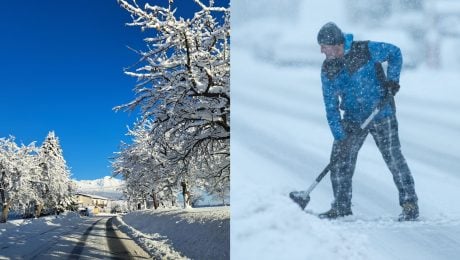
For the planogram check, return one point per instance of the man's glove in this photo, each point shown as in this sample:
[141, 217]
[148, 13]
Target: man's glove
[392, 87]
[354, 133]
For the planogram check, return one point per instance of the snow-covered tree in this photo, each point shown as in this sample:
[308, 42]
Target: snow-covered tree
[31, 177]
[184, 90]
[16, 171]
[55, 185]
[145, 168]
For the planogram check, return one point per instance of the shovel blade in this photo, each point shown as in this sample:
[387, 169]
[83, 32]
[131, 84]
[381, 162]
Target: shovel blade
[301, 198]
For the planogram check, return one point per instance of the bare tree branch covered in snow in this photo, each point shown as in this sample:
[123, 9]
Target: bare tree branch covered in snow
[184, 97]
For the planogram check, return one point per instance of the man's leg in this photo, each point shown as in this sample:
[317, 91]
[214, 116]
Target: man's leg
[343, 159]
[385, 134]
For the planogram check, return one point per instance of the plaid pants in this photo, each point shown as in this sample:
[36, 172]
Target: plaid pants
[385, 134]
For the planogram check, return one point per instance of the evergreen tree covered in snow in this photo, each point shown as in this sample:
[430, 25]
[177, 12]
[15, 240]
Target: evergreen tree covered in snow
[55, 184]
[184, 98]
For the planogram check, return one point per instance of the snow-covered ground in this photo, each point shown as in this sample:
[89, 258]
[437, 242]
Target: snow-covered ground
[281, 141]
[26, 238]
[200, 233]
[194, 233]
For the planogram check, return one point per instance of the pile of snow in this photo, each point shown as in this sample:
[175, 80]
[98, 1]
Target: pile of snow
[107, 187]
[195, 233]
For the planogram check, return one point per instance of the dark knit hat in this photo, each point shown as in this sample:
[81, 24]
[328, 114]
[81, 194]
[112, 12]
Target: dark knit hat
[330, 34]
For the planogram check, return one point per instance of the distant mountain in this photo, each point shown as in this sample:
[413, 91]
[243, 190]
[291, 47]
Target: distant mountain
[107, 186]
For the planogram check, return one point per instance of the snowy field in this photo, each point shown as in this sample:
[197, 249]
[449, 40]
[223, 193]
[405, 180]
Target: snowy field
[281, 142]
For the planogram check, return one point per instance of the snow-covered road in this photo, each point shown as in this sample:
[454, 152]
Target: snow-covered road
[174, 233]
[49, 238]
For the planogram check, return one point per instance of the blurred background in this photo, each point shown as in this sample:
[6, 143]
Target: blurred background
[427, 31]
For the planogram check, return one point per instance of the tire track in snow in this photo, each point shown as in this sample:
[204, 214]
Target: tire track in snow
[78, 249]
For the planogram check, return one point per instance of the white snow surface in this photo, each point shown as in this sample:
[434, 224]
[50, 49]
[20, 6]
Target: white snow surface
[281, 142]
[192, 233]
[23, 238]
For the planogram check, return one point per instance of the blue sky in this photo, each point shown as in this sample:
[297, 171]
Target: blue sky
[61, 69]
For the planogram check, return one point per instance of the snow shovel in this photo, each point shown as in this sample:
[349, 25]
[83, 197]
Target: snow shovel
[303, 197]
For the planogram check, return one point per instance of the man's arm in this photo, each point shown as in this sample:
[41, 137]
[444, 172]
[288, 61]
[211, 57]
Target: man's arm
[331, 101]
[386, 52]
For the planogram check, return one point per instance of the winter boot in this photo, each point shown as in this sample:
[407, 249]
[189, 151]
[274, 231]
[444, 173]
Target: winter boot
[409, 213]
[334, 213]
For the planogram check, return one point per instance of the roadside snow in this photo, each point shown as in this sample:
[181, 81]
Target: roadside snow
[24, 237]
[40, 225]
[195, 233]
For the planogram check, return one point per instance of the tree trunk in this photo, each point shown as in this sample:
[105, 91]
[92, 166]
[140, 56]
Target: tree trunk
[5, 206]
[185, 194]
[5, 210]
[155, 200]
[38, 210]
[28, 211]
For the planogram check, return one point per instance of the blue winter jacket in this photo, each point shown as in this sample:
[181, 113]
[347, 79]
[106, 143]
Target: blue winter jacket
[353, 85]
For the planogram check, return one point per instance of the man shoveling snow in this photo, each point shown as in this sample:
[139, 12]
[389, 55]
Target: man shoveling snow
[354, 82]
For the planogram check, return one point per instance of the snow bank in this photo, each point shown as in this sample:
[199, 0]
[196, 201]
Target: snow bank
[198, 233]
